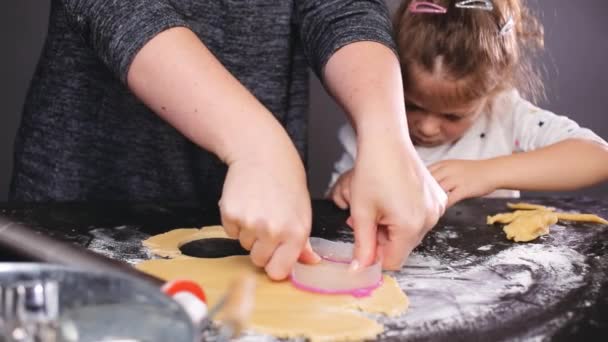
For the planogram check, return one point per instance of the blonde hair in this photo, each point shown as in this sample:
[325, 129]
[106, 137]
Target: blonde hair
[471, 48]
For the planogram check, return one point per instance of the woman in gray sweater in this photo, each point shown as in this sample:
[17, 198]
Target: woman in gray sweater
[184, 100]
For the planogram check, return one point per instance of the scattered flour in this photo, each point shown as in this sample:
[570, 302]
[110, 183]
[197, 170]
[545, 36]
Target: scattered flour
[115, 244]
[474, 294]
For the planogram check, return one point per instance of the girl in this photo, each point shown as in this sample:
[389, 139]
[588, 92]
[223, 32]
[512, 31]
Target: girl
[463, 64]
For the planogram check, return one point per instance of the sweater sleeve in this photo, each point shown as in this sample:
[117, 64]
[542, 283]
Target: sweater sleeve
[117, 29]
[327, 25]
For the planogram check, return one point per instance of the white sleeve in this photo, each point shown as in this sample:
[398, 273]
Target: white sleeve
[348, 141]
[535, 128]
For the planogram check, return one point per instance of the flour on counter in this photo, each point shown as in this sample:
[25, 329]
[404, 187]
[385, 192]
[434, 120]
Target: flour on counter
[114, 243]
[476, 295]
[479, 294]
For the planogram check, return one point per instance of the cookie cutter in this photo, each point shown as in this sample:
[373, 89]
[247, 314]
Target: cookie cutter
[332, 275]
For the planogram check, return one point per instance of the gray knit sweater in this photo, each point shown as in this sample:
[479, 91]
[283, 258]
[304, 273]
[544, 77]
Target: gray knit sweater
[85, 137]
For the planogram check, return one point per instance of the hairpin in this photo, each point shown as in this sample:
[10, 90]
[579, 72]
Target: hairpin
[426, 7]
[507, 27]
[476, 4]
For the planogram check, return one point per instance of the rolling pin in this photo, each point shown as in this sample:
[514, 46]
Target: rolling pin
[235, 306]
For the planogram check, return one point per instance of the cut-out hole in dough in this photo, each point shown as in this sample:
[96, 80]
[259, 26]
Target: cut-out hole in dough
[213, 248]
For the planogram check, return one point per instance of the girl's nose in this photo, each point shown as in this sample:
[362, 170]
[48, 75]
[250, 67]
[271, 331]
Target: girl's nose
[429, 125]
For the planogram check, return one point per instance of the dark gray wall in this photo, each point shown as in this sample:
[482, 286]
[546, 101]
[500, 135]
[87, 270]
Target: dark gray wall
[575, 76]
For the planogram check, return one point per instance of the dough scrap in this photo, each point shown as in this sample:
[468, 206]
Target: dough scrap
[534, 220]
[529, 227]
[510, 217]
[528, 206]
[581, 218]
[280, 309]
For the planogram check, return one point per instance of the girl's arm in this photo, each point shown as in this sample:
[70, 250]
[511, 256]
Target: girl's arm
[555, 153]
[566, 165]
[552, 153]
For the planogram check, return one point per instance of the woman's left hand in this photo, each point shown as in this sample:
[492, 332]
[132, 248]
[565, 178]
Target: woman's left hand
[394, 201]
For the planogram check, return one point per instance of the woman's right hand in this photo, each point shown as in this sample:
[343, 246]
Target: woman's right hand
[266, 205]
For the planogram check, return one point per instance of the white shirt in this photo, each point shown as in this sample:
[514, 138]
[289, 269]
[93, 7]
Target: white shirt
[511, 125]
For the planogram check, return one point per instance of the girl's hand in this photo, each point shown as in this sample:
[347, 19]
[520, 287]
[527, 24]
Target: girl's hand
[266, 205]
[394, 202]
[340, 192]
[462, 179]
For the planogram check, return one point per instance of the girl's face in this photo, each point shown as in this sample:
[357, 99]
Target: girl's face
[435, 114]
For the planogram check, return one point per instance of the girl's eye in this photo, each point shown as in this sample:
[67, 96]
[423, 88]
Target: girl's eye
[452, 117]
[412, 108]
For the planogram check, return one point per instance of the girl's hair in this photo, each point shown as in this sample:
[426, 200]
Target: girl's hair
[471, 49]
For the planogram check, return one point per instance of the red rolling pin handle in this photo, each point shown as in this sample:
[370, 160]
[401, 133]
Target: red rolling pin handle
[190, 295]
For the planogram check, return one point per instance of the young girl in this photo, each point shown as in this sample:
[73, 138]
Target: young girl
[463, 63]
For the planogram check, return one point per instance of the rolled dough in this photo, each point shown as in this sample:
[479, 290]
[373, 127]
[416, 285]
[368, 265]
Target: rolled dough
[280, 309]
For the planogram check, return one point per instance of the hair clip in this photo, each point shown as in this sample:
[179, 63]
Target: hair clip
[426, 7]
[507, 27]
[485, 5]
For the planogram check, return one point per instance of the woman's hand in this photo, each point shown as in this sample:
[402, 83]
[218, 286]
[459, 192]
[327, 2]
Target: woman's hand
[266, 205]
[394, 202]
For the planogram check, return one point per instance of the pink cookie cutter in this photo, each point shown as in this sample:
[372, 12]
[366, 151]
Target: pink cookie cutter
[332, 274]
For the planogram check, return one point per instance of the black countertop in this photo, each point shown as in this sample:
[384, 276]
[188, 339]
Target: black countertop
[465, 281]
